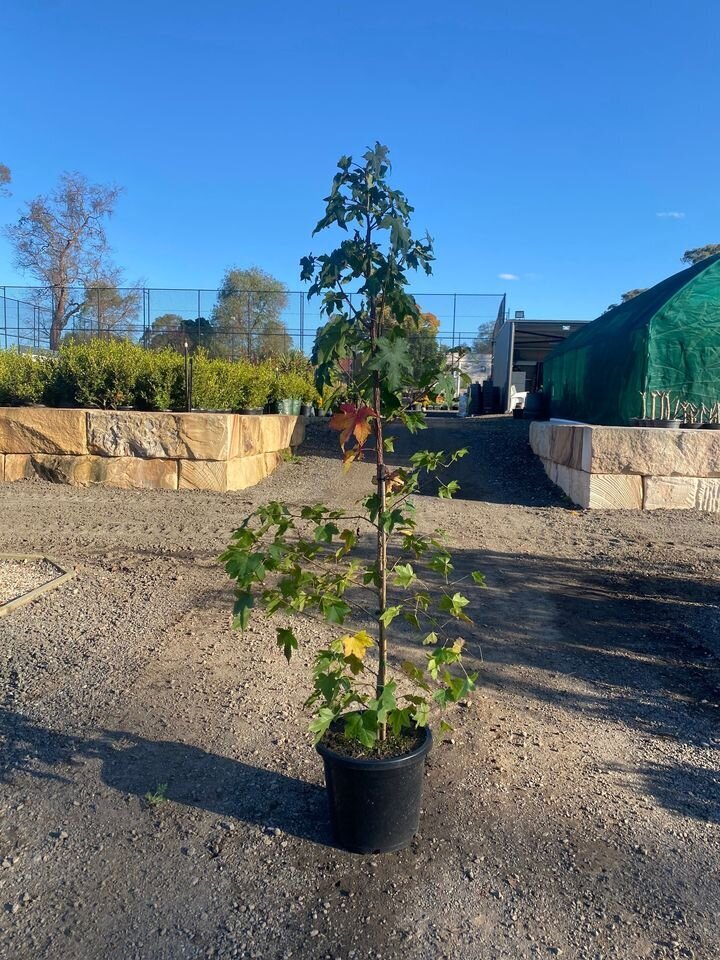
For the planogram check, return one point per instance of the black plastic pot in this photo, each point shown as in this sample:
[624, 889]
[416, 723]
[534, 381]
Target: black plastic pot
[375, 804]
[251, 411]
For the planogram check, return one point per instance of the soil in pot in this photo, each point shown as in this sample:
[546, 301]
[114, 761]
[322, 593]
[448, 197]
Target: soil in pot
[375, 802]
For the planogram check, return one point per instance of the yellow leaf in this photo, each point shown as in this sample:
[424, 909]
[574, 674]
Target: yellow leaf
[357, 645]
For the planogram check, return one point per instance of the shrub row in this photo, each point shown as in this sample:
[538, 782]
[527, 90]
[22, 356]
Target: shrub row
[117, 373]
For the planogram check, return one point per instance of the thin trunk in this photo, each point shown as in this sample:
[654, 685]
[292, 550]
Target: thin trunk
[58, 317]
[381, 535]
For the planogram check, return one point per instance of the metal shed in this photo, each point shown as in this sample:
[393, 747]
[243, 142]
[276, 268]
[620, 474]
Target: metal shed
[519, 349]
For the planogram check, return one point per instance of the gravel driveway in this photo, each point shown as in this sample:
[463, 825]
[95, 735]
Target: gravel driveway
[160, 798]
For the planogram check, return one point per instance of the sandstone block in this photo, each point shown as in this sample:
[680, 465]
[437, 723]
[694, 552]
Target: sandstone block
[615, 491]
[247, 471]
[567, 444]
[186, 436]
[597, 491]
[540, 433]
[252, 435]
[126, 472]
[2, 467]
[203, 475]
[42, 430]
[654, 452]
[670, 493]
[708, 495]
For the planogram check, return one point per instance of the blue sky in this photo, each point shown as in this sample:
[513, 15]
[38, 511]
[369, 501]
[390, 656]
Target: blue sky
[572, 146]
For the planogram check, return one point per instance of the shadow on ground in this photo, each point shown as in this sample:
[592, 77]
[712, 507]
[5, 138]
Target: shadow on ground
[194, 777]
[500, 466]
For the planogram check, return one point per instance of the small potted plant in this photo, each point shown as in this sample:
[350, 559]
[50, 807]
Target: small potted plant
[376, 575]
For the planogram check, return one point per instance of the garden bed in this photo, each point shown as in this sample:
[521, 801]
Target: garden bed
[23, 578]
[135, 450]
[637, 468]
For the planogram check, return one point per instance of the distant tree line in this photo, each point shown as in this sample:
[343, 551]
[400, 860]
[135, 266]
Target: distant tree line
[60, 241]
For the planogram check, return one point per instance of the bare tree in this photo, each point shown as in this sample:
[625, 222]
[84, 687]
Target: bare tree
[60, 240]
[5, 178]
[109, 310]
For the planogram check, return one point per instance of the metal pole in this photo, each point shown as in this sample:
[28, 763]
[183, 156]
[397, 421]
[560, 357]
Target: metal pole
[453, 333]
[98, 310]
[188, 395]
[302, 323]
[5, 314]
[18, 325]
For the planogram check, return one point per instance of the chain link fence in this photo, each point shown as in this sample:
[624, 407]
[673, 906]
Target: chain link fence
[247, 323]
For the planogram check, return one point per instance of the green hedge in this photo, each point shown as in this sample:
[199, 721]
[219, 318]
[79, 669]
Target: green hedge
[117, 373]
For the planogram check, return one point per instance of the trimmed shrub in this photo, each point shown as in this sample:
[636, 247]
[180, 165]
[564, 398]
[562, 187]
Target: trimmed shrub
[160, 383]
[98, 373]
[24, 378]
[293, 386]
[118, 373]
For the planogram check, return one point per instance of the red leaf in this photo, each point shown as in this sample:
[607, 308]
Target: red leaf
[352, 421]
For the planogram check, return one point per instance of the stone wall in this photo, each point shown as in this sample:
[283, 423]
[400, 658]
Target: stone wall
[638, 468]
[158, 451]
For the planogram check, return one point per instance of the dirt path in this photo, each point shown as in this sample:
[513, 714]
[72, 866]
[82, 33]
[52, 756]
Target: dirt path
[576, 813]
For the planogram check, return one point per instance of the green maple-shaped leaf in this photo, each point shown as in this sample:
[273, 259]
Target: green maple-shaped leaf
[392, 360]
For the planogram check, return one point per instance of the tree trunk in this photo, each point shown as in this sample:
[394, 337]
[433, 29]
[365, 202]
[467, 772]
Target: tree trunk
[381, 535]
[57, 323]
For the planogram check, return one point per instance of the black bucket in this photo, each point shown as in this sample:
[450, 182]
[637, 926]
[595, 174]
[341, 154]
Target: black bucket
[375, 804]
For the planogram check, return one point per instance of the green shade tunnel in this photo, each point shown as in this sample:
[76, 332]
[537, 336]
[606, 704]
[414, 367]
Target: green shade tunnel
[666, 339]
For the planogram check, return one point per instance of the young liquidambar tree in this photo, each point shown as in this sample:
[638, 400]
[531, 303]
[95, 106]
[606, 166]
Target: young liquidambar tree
[312, 562]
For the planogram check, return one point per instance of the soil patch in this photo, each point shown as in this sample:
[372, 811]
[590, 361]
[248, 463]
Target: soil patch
[574, 811]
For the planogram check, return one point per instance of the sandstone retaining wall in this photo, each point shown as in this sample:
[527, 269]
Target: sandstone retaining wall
[158, 451]
[638, 468]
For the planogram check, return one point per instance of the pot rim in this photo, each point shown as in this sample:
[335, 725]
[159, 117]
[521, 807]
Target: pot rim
[377, 763]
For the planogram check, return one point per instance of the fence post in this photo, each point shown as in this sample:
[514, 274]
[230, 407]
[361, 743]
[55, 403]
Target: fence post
[302, 323]
[5, 314]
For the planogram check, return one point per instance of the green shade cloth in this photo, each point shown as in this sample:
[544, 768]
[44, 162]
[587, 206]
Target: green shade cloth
[667, 338]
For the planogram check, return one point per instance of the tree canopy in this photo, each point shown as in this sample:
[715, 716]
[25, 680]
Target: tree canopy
[484, 340]
[700, 253]
[624, 297]
[247, 318]
[60, 240]
[5, 178]
[172, 330]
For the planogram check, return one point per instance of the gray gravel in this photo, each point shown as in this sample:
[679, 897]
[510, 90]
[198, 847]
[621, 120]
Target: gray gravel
[574, 811]
[21, 576]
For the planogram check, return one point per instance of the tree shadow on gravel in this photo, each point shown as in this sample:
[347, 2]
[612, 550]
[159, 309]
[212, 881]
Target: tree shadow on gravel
[194, 777]
[613, 645]
[500, 467]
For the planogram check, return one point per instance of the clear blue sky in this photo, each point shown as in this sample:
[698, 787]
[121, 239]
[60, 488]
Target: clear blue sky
[571, 145]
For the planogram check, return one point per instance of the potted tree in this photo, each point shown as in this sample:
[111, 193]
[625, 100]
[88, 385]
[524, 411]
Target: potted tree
[374, 575]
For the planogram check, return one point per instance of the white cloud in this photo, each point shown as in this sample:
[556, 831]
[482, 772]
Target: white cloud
[671, 215]
[508, 276]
